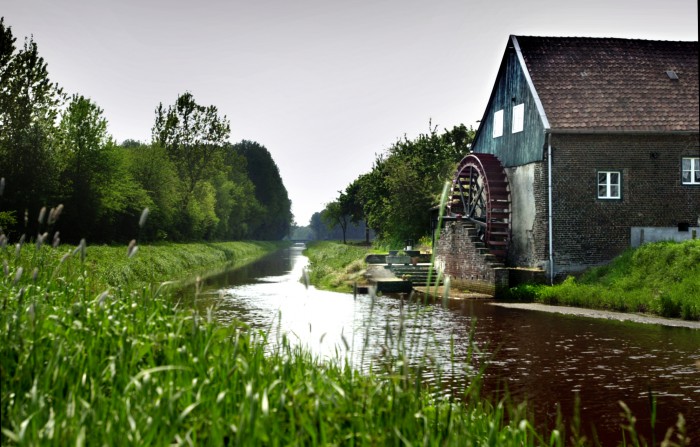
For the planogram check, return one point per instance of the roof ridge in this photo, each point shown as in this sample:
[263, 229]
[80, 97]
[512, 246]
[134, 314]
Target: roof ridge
[600, 38]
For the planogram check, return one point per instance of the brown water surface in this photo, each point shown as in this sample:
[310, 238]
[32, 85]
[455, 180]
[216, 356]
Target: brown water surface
[549, 360]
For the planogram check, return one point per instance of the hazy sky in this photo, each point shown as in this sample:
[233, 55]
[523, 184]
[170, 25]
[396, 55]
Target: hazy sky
[325, 85]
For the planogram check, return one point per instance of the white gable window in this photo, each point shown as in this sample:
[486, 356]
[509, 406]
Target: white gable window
[609, 184]
[690, 171]
[518, 118]
[498, 124]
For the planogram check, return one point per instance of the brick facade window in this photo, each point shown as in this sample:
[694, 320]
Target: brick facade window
[609, 185]
[690, 170]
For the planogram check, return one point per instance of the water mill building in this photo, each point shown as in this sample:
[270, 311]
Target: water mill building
[587, 146]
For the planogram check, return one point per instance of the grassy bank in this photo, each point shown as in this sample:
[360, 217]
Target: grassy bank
[335, 266]
[125, 367]
[163, 262]
[104, 266]
[660, 278]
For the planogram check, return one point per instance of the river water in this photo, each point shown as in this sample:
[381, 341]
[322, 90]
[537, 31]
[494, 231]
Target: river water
[549, 360]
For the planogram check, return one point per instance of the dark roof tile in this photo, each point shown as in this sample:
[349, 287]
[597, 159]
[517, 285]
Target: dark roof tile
[614, 84]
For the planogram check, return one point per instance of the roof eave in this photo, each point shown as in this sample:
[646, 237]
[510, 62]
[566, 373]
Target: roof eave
[621, 131]
[531, 85]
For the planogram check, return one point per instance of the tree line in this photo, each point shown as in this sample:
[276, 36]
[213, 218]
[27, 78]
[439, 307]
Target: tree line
[396, 196]
[55, 149]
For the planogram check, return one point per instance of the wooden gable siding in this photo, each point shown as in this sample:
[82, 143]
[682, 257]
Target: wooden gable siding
[511, 88]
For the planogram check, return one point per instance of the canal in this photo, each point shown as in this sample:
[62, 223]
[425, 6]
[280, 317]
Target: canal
[549, 360]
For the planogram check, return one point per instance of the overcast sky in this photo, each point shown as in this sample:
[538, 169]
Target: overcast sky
[325, 85]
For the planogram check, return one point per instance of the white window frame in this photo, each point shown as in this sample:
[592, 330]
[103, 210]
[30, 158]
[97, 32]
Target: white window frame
[607, 182]
[693, 170]
[498, 123]
[518, 118]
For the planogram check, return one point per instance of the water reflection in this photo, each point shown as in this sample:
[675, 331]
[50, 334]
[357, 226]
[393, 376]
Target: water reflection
[547, 359]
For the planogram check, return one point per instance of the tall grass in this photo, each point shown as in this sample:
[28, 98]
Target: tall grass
[124, 366]
[660, 278]
[335, 266]
[165, 261]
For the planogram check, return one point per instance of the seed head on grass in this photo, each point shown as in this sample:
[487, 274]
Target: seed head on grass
[100, 300]
[31, 312]
[132, 248]
[55, 213]
[18, 275]
[144, 216]
[81, 248]
[42, 214]
[40, 240]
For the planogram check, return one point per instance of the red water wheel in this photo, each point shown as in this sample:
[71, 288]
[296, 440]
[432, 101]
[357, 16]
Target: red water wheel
[480, 194]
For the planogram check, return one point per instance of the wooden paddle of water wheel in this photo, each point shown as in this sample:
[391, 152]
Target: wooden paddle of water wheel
[480, 194]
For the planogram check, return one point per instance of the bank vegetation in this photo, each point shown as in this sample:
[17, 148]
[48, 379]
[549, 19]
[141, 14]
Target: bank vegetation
[125, 366]
[660, 278]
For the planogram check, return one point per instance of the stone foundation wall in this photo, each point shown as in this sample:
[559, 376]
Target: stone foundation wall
[462, 257]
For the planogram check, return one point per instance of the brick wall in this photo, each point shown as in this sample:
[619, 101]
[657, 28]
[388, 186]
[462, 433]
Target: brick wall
[590, 231]
[466, 261]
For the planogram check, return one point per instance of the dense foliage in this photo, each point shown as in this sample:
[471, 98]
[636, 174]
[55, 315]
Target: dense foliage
[661, 278]
[275, 216]
[56, 149]
[395, 198]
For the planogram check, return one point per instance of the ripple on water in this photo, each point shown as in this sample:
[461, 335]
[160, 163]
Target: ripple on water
[547, 359]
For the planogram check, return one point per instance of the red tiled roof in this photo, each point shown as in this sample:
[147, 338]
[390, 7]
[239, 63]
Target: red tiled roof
[606, 84]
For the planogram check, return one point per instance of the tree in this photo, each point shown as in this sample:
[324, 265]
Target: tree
[373, 195]
[121, 200]
[194, 137]
[97, 188]
[302, 233]
[275, 217]
[406, 181]
[29, 105]
[201, 211]
[237, 206]
[82, 163]
[317, 226]
[352, 203]
[151, 168]
[334, 214]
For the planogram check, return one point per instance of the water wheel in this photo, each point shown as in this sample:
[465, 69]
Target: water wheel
[480, 194]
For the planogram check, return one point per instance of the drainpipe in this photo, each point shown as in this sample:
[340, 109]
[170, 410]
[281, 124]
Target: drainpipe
[549, 211]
